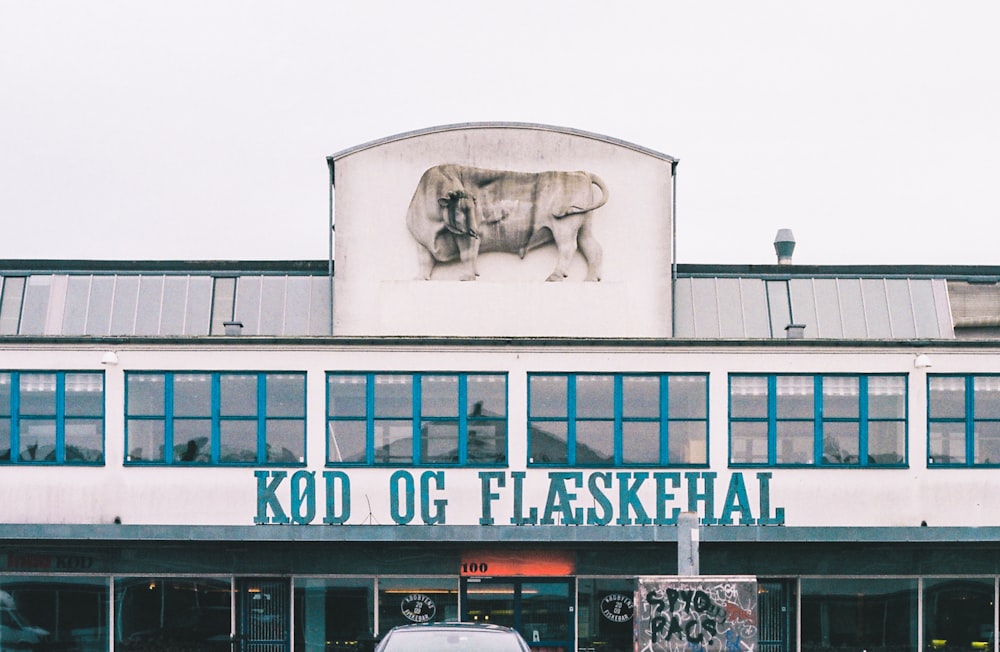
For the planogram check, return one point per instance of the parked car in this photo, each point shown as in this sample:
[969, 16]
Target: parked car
[452, 637]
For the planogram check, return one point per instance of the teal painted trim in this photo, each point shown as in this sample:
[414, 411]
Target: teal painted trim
[476, 534]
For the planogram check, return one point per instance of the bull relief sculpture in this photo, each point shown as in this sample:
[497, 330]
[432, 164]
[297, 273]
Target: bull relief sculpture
[459, 211]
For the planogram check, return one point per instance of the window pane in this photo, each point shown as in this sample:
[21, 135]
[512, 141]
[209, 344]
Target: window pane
[886, 442]
[346, 395]
[286, 395]
[439, 442]
[347, 442]
[330, 610]
[595, 442]
[238, 441]
[748, 396]
[4, 440]
[38, 440]
[947, 443]
[987, 442]
[238, 395]
[840, 442]
[194, 612]
[84, 440]
[987, 397]
[641, 397]
[71, 611]
[487, 395]
[394, 396]
[84, 395]
[841, 397]
[640, 442]
[4, 394]
[192, 440]
[688, 397]
[960, 612]
[145, 394]
[393, 442]
[38, 394]
[947, 397]
[548, 442]
[439, 396]
[286, 441]
[145, 441]
[873, 614]
[192, 395]
[795, 397]
[886, 397]
[595, 396]
[748, 442]
[408, 601]
[688, 442]
[486, 442]
[795, 442]
[547, 396]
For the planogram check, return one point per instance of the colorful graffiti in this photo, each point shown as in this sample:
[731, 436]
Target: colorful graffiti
[696, 614]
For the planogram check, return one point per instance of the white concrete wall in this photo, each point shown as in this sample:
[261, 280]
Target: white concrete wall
[376, 257]
[227, 496]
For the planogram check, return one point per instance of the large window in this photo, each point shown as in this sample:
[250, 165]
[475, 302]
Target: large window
[53, 613]
[617, 419]
[215, 418]
[963, 420]
[806, 420]
[395, 419]
[859, 614]
[172, 613]
[51, 417]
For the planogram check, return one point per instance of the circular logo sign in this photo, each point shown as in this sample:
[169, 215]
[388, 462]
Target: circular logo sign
[617, 607]
[418, 608]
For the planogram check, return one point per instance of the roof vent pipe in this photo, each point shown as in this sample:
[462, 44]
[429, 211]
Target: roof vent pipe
[784, 245]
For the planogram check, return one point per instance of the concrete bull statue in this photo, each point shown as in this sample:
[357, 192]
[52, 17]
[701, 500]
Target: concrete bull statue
[459, 211]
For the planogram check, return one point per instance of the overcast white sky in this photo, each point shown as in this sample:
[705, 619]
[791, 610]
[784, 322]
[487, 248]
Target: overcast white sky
[199, 129]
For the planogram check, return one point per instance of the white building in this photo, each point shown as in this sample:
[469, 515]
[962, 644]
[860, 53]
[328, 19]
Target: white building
[273, 456]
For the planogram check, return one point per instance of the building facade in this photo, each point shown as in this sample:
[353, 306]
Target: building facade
[508, 403]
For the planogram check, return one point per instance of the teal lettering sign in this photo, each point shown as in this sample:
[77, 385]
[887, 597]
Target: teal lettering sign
[571, 498]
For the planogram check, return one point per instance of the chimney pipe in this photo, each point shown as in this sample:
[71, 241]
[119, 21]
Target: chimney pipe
[784, 245]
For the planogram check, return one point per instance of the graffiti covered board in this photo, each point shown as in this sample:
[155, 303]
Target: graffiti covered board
[696, 613]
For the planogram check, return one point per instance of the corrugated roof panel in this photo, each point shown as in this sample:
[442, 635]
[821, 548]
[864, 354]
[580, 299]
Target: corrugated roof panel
[705, 294]
[754, 302]
[731, 309]
[320, 305]
[684, 308]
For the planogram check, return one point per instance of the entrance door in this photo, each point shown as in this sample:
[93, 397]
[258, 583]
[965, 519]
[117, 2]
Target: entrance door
[262, 617]
[540, 608]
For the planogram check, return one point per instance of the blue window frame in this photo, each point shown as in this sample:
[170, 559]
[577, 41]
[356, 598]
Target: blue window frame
[403, 419]
[217, 418]
[963, 420]
[812, 420]
[617, 419]
[51, 417]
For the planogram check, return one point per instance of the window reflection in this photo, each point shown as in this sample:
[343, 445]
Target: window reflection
[43, 613]
[173, 613]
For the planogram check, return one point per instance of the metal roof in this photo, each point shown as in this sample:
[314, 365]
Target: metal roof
[748, 307]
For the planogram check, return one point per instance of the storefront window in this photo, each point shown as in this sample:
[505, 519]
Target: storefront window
[173, 613]
[958, 614]
[605, 614]
[46, 613]
[874, 614]
[414, 600]
[334, 614]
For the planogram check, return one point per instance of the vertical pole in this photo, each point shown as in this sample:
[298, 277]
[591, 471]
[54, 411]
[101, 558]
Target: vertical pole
[329, 163]
[688, 538]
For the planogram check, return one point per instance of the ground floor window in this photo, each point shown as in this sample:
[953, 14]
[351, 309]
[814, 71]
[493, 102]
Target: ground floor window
[405, 601]
[958, 614]
[334, 614]
[173, 613]
[605, 614]
[874, 614]
[57, 613]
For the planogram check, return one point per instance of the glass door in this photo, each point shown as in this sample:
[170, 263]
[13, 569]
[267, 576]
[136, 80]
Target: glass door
[541, 609]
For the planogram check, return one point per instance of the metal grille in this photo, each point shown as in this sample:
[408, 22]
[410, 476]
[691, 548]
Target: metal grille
[772, 616]
[264, 616]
